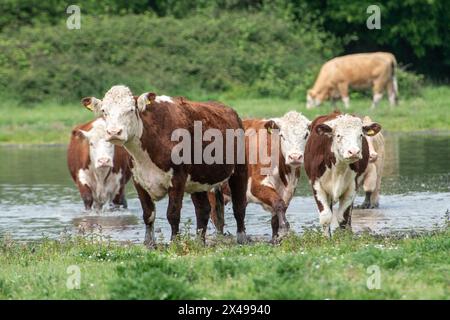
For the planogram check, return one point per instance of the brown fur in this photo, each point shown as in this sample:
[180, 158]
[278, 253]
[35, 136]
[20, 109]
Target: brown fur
[159, 121]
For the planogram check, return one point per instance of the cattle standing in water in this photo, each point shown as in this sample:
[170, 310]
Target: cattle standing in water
[145, 126]
[336, 156]
[99, 169]
[372, 176]
[360, 70]
[274, 190]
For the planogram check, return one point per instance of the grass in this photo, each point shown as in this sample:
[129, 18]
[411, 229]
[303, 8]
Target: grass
[51, 122]
[302, 267]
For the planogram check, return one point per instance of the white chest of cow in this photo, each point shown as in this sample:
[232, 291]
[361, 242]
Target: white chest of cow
[274, 181]
[148, 175]
[104, 186]
[337, 180]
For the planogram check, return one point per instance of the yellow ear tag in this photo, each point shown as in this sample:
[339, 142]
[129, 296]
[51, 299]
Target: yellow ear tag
[370, 132]
[89, 107]
[269, 130]
[147, 101]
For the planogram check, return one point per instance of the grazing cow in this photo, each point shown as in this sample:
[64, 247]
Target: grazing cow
[336, 156]
[145, 126]
[360, 70]
[99, 169]
[372, 176]
[274, 190]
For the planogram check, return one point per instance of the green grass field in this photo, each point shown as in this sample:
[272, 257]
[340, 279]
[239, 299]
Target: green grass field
[51, 122]
[302, 267]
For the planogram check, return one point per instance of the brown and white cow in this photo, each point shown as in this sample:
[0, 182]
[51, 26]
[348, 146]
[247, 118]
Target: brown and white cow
[145, 127]
[274, 189]
[360, 70]
[99, 169]
[336, 156]
[372, 176]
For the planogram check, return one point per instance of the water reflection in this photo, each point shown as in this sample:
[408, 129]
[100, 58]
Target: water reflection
[38, 198]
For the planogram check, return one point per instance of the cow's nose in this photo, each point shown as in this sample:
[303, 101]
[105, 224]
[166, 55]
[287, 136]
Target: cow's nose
[295, 157]
[104, 161]
[114, 132]
[354, 152]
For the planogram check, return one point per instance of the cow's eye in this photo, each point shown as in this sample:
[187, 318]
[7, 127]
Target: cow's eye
[104, 112]
[306, 135]
[91, 144]
[338, 136]
[130, 110]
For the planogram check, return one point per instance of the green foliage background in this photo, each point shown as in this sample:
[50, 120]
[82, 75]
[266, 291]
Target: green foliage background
[200, 48]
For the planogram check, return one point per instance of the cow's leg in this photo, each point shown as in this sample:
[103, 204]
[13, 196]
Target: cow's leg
[324, 205]
[120, 199]
[202, 210]
[149, 215]
[217, 204]
[369, 185]
[270, 198]
[176, 193]
[86, 196]
[344, 215]
[238, 188]
[378, 88]
[391, 93]
[343, 92]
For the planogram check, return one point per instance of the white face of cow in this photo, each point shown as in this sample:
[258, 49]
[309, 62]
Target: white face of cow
[119, 110]
[347, 132]
[294, 131]
[101, 152]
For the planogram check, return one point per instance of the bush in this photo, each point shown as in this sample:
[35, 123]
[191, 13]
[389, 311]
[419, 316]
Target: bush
[242, 54]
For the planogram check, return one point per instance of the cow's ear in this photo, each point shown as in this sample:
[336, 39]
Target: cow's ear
[309, 126]
[372, 129]
[271, 125]
[92, 103]
[80, 133]
[324, 129]
[145, 100]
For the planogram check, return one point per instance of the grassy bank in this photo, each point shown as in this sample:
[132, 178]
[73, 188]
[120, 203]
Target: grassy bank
[51, 123]
[302, 267]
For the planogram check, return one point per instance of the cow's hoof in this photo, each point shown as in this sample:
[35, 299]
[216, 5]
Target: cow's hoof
[242, 238]
[364, 205]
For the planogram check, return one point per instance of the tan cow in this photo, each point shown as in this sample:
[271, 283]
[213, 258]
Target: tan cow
[374, 171]
[362, 70]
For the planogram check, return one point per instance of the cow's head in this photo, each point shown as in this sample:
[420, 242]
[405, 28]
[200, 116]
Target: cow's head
[346, 132]
[294, 131]
[315, 97]
[120, 112]
[101, 152]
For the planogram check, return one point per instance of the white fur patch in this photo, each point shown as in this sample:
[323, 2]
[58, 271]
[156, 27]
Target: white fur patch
[147, 174]
[163, 99]
[103, 191]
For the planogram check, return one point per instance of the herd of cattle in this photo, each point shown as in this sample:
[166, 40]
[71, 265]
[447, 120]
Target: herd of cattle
[132, 137]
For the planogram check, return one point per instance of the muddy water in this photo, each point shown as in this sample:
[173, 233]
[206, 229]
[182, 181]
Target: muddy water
[38, 198]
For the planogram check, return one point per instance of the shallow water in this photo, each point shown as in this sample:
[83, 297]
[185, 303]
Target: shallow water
[38, 198]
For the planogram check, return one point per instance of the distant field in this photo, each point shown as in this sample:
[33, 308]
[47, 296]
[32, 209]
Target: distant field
[302, 267]
[51, 123]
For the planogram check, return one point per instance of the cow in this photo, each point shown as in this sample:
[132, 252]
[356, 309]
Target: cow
[274, 189]
[372, 176]
[357, 71]
[145, 127]
[99, 169]
[336, 156]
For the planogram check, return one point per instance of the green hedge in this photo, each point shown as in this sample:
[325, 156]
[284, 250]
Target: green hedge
[240, 54]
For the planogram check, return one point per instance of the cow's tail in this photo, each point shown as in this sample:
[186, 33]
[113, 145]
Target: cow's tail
[394, 76]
